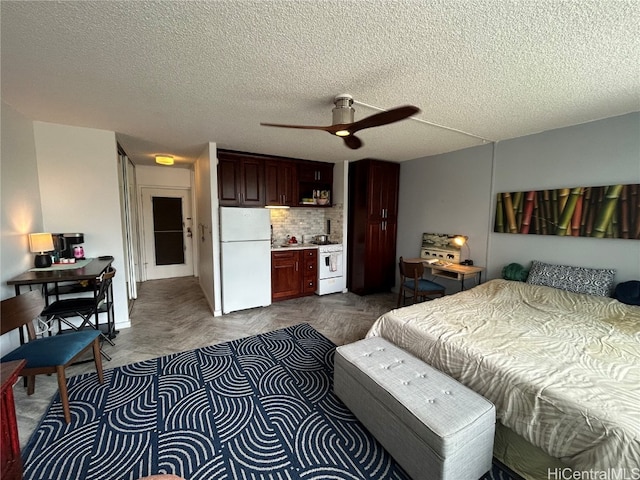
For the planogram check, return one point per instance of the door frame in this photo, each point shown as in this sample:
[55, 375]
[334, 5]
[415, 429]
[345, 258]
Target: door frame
[146, 212]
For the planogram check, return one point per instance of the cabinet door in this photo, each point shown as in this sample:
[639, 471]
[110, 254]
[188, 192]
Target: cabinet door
[383, 189]
[228, 179]
[320, 172]
[388, 260]
[240, 180]
[380, 261]
[279, 182]
[252, 182]
[374, 265]
[391, 184]
[285, 275]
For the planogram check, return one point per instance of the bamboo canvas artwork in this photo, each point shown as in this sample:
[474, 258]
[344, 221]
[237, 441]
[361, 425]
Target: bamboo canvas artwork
[611, 211]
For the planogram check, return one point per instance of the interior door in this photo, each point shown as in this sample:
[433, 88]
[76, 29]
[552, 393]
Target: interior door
[167, 223]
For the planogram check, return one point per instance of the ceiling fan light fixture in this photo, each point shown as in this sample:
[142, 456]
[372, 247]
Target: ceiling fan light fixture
[343, 111]
[164, 159]
[343, 125]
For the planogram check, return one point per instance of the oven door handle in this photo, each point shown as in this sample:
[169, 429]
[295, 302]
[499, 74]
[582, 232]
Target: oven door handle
[326, 261]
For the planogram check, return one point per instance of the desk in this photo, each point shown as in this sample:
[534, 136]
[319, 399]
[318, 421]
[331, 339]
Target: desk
[452, 271]
[88, 272]
[44, 276]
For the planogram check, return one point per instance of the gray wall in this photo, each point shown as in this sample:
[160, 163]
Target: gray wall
[447, 193]
[598, 153]
[454, 193]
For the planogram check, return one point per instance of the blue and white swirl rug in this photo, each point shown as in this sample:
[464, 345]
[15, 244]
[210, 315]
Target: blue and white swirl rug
[261, 407]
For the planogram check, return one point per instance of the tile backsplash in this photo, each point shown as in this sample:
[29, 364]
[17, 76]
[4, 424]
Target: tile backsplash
[307, 221]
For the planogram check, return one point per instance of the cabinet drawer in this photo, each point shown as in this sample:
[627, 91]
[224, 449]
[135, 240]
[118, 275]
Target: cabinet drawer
[284, 255]
[310, 285]
[310, 253]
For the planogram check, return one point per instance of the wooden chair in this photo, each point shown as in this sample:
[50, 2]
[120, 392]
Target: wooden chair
[411, 281]
[50, 354]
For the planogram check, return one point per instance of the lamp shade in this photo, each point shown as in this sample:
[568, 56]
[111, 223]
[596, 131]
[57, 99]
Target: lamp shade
[40, 242]
[460, 240]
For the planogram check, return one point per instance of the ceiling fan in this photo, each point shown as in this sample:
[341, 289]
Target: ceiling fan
[344, 126]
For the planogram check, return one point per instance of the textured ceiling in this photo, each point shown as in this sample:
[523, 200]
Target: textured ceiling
[170, 76]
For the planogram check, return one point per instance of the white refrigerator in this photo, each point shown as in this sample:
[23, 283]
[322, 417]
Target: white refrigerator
[245, 248]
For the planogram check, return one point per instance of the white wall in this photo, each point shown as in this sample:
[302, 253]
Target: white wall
[163, 176]
[454, 193]
[20, 203]
[20, 194]
[206, 232]
[78, 178]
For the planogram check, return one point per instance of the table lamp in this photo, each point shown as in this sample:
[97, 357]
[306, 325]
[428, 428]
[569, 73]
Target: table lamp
[40, 243]
[462, 240]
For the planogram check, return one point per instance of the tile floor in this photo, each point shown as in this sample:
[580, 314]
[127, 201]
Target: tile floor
[172, 315]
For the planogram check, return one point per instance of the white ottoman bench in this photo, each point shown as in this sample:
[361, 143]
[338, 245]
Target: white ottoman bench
[433, 426]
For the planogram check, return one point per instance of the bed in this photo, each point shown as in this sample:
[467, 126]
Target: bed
[562, 368]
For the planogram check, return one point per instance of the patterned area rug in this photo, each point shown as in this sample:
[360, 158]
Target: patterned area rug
[257, 408]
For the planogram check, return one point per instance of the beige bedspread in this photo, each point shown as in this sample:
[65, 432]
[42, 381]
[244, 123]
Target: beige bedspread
[563, 369]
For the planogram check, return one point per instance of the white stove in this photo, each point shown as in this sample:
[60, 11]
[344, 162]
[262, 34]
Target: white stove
[330, 269]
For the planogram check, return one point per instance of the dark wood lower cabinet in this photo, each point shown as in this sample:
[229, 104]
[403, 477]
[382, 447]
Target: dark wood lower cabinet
[294, 273]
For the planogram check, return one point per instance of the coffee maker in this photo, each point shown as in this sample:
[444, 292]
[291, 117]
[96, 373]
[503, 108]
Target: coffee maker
[68, 245]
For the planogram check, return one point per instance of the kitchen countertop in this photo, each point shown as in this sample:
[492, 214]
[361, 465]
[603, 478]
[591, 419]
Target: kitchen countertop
[293, 246]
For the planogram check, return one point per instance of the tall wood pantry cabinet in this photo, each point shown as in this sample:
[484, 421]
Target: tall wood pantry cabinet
[372, 225]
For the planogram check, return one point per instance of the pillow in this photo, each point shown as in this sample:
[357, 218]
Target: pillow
[592, 281]
[628, 292]
[515, 271]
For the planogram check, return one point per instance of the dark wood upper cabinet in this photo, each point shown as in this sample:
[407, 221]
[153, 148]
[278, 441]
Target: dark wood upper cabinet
[280, 182]
[241, 180]
[313, 178]
[254, 180]
[318, 172]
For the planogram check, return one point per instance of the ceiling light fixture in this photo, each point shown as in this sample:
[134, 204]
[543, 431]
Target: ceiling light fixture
[164, 159]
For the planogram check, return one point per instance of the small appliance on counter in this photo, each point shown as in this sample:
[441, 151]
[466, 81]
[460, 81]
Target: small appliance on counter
[68, 245]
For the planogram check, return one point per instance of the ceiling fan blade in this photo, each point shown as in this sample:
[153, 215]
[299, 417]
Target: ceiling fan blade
[352, 142]
[384, 118]
[306, 127]
[346, 130]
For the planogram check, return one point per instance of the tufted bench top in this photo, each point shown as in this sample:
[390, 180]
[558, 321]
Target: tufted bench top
[443, 412]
